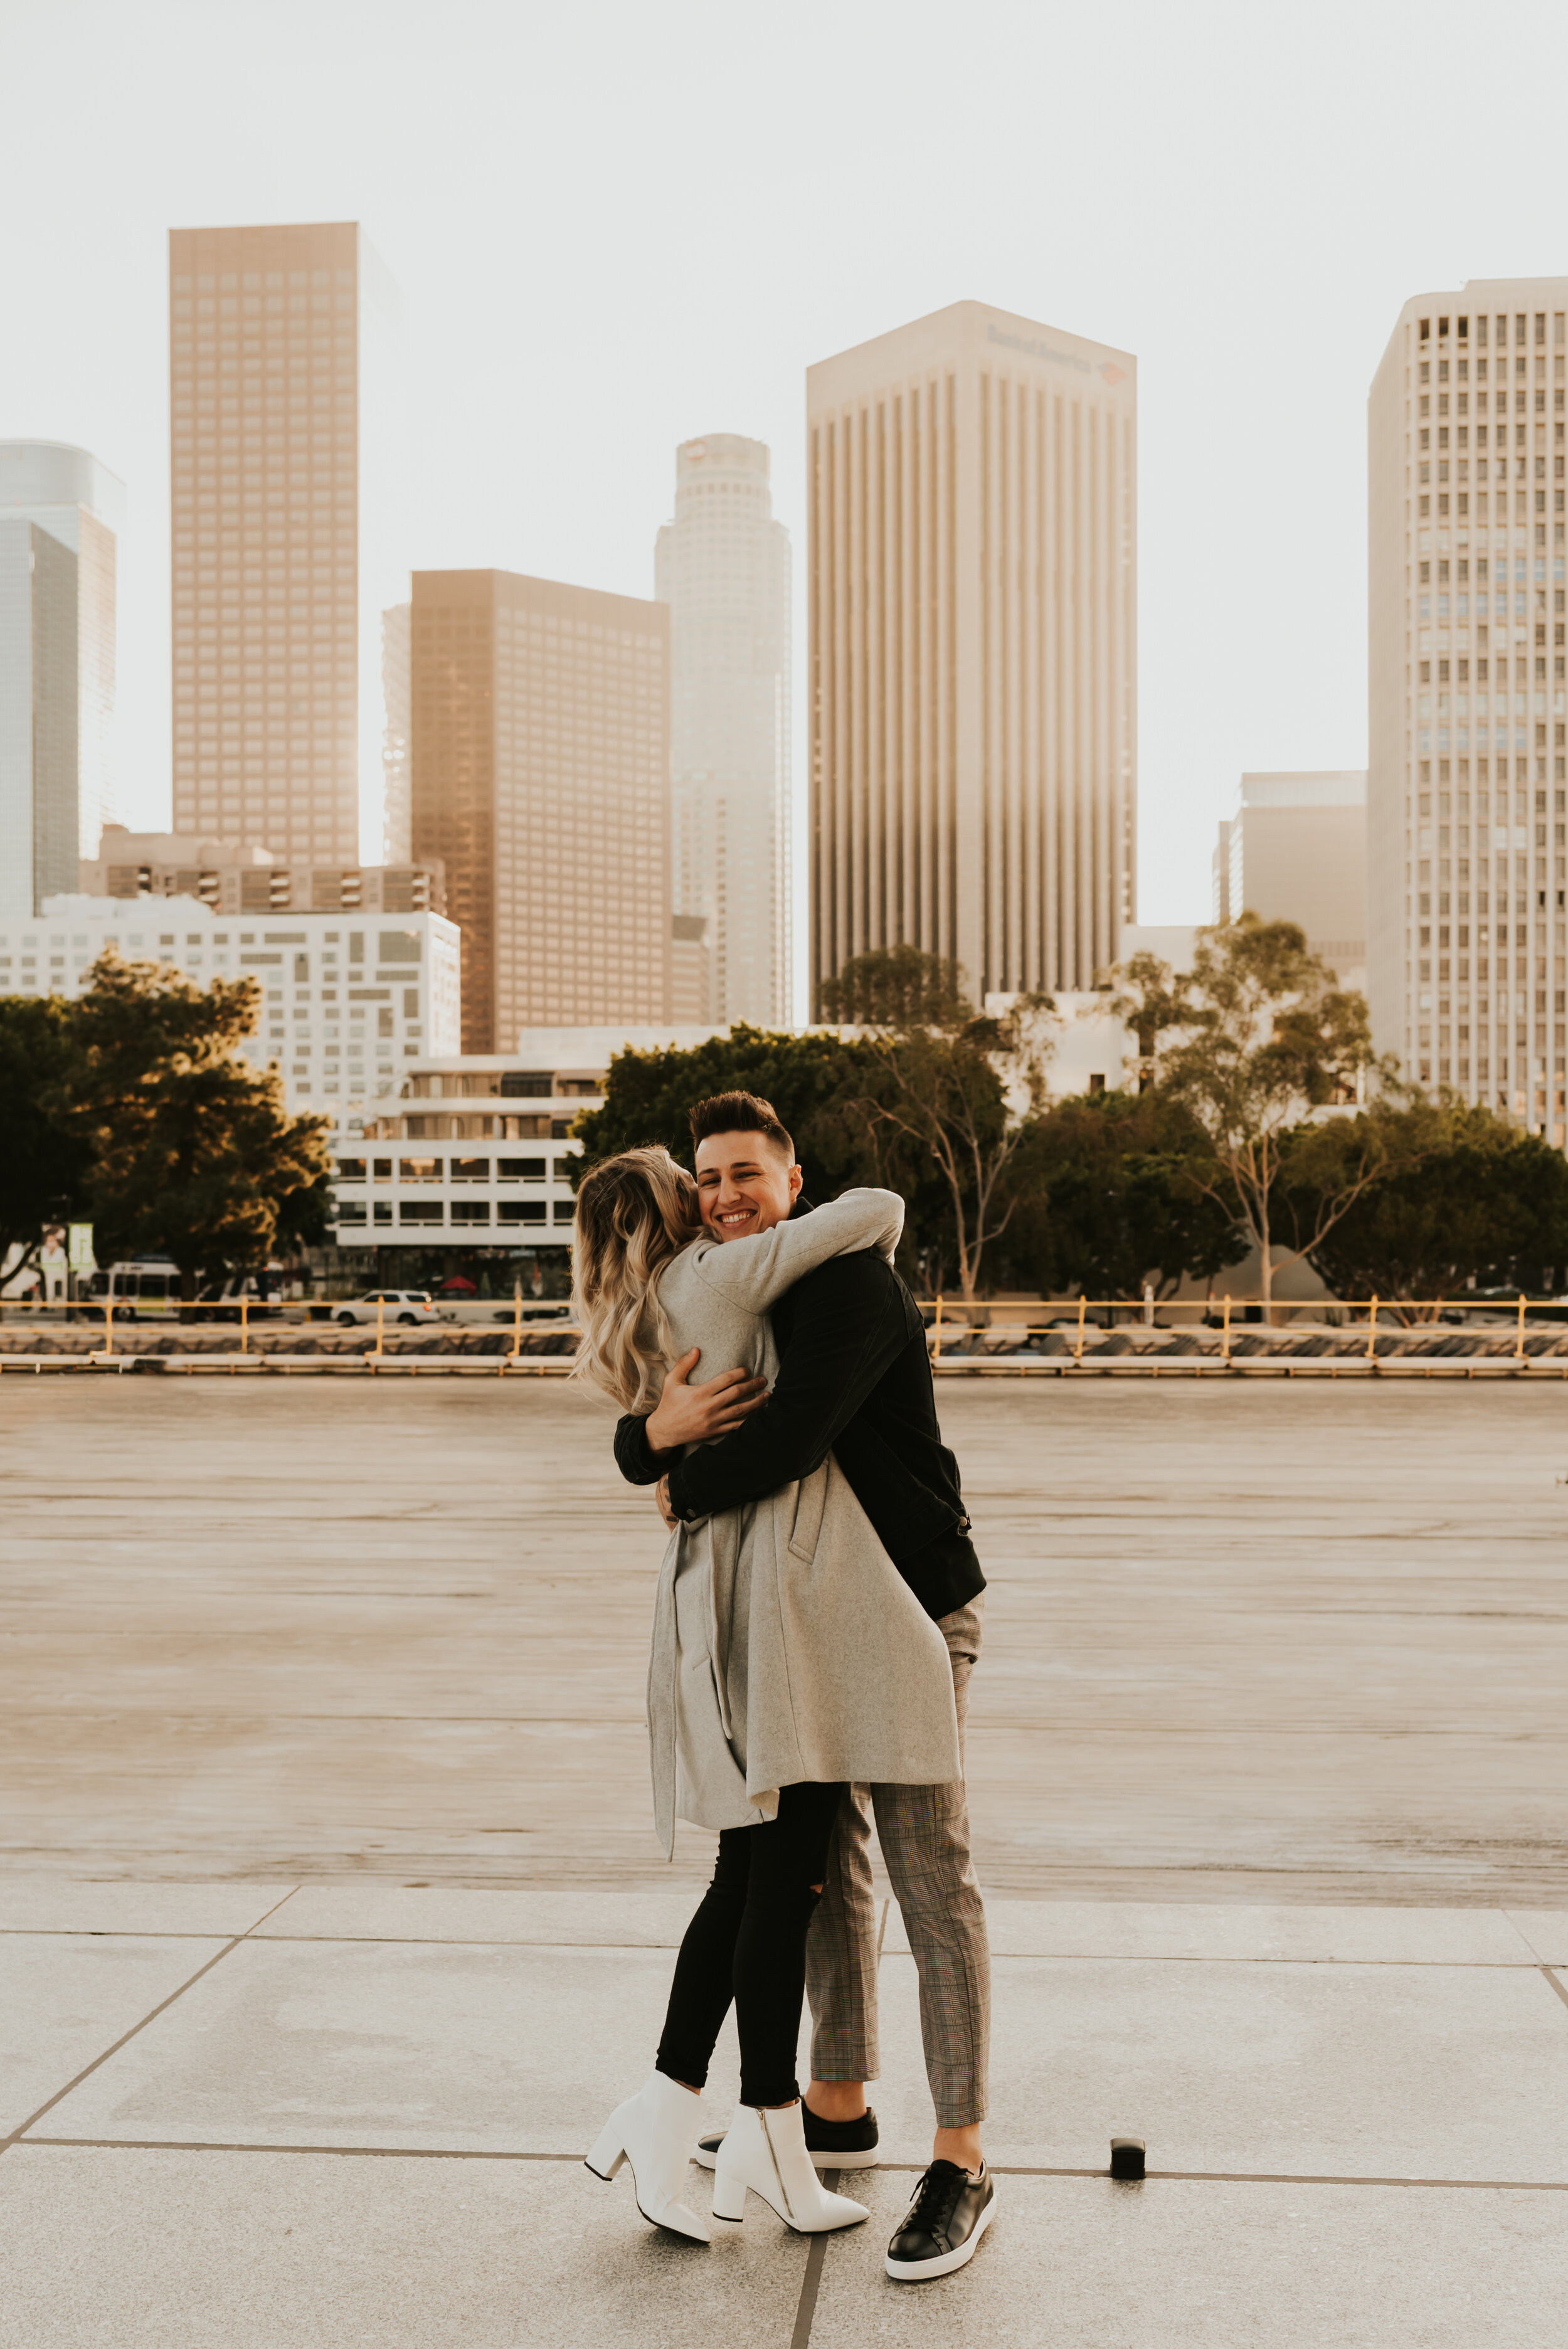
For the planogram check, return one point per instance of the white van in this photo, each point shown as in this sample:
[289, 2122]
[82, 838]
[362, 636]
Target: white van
[143, 1288]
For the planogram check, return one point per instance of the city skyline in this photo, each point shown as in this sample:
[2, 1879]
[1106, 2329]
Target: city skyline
[1251, 253]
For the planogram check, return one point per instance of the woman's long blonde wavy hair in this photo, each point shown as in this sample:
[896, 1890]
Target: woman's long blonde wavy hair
[634, 1214]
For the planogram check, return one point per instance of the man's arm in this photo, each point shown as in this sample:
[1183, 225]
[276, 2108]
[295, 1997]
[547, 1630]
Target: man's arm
[848, 1326]
[646, 1447]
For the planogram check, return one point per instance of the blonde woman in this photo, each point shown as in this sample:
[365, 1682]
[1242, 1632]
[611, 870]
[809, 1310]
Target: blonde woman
[789, 1657]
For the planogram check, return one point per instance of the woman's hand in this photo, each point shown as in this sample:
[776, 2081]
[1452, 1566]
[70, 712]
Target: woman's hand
[693, 1414]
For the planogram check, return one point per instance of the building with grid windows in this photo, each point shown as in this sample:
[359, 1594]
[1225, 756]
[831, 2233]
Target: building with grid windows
[1467, 700]
[471, 1166]
[348, 1002]
[540, 780]
[972, 483]
[281, 469]
[722, 565]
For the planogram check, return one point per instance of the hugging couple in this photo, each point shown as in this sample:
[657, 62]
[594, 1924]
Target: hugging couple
[818, 1614]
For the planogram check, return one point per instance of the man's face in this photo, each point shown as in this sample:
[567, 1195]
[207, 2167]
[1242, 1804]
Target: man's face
[745, 1183]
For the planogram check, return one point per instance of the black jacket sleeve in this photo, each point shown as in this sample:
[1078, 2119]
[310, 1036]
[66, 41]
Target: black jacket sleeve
[846, 1326]
[634, 1454]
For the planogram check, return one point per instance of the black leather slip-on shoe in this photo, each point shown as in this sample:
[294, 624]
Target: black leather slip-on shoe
[833, 2144]
[949, 2213]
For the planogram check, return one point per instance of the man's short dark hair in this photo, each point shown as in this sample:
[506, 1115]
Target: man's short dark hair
[740, 1113]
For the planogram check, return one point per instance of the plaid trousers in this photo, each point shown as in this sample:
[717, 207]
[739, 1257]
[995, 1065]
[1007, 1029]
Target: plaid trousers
[923, 1831]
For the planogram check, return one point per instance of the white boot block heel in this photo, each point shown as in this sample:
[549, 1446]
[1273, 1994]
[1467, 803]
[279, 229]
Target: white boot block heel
[730, 2199]
[609, 2152]
[766, 2152]
[652, 2130]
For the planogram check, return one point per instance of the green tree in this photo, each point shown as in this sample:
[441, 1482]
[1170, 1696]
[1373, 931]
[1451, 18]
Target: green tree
[1252, 1039]
[45, 1162]
[193, 1155]
[961, 1092]
[1467, 1199]
[648, 1094]
[1118, 1202]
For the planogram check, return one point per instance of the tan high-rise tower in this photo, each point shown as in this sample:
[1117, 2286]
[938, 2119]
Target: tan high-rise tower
[540, 744]
[278, 580]
[1467, 700]
[973, 483]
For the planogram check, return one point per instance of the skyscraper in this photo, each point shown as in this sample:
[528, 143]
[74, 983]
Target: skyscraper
[280, 427]
[722, 565]
[1468, 699]
[973, 667]
[541, 777]
[81, 505]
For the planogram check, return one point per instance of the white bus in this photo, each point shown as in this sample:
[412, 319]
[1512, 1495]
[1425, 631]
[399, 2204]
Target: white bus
[143, 1288]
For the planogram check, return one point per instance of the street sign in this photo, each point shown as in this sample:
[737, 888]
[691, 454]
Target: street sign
[81, 1247]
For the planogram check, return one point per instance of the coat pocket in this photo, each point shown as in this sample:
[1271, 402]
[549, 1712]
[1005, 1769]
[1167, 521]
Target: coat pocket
[810, 1499]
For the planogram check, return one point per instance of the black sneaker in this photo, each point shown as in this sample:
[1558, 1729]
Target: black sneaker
[833, 2144]
[950, 2212]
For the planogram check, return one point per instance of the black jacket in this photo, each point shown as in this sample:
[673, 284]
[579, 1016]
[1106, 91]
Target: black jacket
[854, 1378]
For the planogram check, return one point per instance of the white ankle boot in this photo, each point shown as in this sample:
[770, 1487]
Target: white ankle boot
[766, 2150]
[652, 2130]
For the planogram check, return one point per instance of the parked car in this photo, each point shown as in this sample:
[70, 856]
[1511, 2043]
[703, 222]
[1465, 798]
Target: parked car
[220, 1301]
[406, 1305]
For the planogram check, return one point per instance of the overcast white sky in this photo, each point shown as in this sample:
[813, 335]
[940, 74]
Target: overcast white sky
[618, 225]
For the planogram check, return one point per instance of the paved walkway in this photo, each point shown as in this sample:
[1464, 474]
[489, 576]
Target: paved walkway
[348, 2115]
[1298, 1643]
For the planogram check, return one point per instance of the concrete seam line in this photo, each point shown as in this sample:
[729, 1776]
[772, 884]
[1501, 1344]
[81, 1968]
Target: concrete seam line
[810, 2283]
[914, 2168]
[48, 2106]
[1556, 1985]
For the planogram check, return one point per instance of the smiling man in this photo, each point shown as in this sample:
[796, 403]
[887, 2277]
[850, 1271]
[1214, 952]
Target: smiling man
[854, 1378]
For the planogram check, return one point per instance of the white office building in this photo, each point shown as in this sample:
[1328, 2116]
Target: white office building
[722, 565]
[60, 512]
[349, 1001]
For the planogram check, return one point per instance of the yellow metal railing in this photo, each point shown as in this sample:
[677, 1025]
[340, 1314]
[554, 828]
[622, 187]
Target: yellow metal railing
[949, 1320]
[945, 1312]
[301, 1313]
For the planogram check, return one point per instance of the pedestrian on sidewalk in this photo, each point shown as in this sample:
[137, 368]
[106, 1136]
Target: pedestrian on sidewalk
[788, 1658]
[854, 1391]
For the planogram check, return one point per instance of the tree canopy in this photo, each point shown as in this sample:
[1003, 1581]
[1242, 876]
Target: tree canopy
[1257, 1035]
[1466, 1200]
[190, 1153]
[46, 1163]
[1111, 1200]
[959, 1091]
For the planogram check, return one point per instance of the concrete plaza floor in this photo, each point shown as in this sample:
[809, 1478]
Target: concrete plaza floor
[331, 1924]
[348, 2115]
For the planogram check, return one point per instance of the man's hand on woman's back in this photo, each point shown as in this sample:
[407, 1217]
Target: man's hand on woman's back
[695, 1414]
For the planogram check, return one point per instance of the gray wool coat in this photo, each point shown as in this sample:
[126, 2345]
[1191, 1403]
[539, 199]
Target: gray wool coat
[787, 1646]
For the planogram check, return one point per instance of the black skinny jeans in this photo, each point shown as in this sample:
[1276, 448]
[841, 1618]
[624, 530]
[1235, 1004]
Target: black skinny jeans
[748, 1941]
